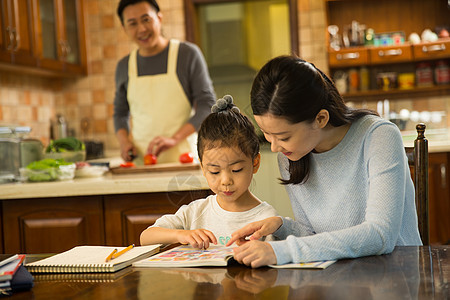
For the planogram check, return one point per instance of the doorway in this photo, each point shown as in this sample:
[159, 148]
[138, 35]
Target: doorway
[238, 37]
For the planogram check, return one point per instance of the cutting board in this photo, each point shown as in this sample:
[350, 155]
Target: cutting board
[166, 167]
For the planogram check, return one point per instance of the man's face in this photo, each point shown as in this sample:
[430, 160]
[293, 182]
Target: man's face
[142, 24]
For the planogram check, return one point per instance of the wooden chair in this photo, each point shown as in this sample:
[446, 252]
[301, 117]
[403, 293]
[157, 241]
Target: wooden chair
[418, 162]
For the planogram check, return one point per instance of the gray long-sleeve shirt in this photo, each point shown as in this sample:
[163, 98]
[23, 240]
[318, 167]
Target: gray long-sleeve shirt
[192, 72]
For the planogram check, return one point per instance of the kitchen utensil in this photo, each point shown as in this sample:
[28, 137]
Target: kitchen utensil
[165, 167]
[335, 38]
[58, 128]
[340, 80]
[17, 151]
[354, 34]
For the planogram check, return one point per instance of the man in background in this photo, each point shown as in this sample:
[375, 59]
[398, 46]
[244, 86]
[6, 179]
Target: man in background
[164, 86]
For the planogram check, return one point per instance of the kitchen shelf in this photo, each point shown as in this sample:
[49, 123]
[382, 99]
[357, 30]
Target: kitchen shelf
[406, 16]
[393, 94]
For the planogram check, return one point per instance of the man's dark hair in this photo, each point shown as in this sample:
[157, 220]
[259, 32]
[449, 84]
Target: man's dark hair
[125, 3]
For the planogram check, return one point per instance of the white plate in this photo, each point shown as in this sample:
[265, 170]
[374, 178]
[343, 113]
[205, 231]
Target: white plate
[90, 171]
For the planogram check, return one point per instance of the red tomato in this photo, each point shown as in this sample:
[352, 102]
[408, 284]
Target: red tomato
[186, 158]
[128, 164]
[150, 159]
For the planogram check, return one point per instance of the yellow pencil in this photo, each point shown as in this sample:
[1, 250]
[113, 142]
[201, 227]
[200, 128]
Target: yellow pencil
[111, 255]
[116, 255]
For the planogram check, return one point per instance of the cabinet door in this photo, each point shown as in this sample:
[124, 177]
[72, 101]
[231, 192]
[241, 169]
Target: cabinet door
[60, 42]
[2, 250]
[49, 44]
[75, 54]
[6, 38]
[16, 42]
[53, 224]
[439, 198]
[126, 216]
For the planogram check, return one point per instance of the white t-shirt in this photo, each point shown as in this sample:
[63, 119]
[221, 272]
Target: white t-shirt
[207, 214]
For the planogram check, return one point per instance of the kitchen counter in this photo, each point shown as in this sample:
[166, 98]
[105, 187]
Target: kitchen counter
[438, 139]
[107, 185]
[44, 217]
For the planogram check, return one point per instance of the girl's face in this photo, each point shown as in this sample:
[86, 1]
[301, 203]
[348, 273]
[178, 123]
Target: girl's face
[293, 140]
[229, 173]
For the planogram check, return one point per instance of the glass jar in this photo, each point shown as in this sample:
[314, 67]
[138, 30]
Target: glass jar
[442, 72]
[424, 75]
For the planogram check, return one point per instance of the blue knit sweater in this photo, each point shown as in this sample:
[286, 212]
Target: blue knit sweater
[357, 201]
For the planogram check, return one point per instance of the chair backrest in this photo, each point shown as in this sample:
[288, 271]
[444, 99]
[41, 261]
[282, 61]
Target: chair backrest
[418, 161]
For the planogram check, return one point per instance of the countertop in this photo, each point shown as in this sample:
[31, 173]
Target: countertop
[108, 184]
[438, 139]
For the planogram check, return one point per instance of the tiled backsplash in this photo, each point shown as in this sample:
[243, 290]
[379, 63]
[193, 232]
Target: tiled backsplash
[33, 101]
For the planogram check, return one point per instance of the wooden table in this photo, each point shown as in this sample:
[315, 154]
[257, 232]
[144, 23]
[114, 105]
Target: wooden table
[407, 273]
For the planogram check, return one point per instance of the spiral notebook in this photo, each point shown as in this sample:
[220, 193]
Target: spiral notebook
[81, 277]
[90, 259]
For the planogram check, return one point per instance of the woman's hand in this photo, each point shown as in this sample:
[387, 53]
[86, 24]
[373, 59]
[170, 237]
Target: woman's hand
[198, 238]
[255, 254]
[160, 144]
[255, 280]
[255, 230]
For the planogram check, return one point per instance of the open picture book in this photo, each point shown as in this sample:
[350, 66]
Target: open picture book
[215, 256]
[91, 259]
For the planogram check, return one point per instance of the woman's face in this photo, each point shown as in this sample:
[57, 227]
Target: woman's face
[293, 140]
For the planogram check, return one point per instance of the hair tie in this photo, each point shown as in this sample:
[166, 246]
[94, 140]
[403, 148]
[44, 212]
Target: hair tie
[223, 104]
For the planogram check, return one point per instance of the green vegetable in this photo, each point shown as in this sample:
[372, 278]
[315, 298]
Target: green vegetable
[65, 144]
[45, 169]
[47, 163]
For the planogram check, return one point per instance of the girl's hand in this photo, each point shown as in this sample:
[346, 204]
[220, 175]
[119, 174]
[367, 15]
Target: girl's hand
[255, 230]
[198, 238]
[255, 254]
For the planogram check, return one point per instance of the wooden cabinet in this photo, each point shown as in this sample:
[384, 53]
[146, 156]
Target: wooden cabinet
[60, 42]
[126, 216]
[45, 36]
[49, 225]
[407, 16]
[439, 197]
[52, 224]
[16, 39]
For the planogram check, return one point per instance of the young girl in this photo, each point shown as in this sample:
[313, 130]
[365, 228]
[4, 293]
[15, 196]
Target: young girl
[228, 149]
[345, 171]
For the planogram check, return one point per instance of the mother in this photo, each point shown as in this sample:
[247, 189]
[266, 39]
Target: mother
[345, 171]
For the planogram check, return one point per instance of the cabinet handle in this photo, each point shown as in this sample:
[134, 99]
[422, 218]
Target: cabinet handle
[63, 49]
[16, 38]
[443, 176]
[351, 55]
[433, 48]
[9, 32]
[67, 46]
[391, 52]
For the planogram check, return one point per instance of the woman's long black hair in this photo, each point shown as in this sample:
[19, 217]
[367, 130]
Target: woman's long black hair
[296, 90]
